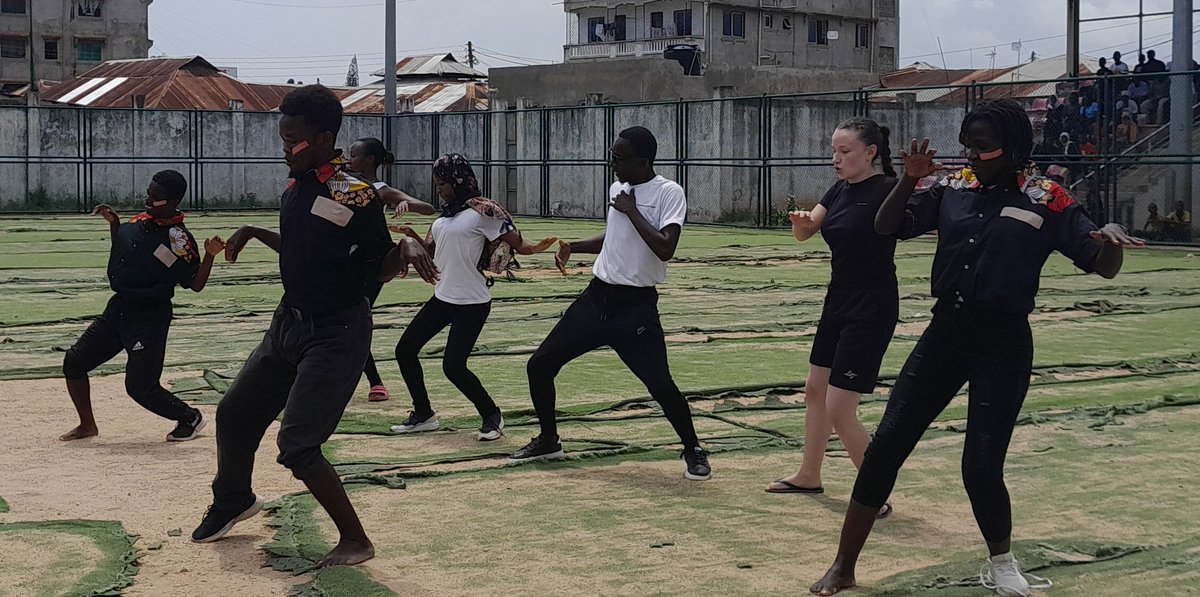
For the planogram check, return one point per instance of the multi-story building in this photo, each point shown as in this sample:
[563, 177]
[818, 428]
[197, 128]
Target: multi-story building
[59, 39]
[740, 47]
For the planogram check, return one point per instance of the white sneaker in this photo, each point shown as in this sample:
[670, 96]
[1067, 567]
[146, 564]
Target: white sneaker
[416, 423]
[1003, 575]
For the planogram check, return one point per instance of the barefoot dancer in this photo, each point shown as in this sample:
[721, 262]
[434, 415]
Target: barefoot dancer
[460, 241]
[861, 305]
[620, 306]
[366, 156]
[150, 255]
[332, 239]
[996, 228]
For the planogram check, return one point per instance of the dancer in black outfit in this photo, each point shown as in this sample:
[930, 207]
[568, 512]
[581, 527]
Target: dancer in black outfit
[861, 306]
[996, 228]
[366, 156]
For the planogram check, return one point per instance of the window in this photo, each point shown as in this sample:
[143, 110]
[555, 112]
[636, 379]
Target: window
[787, 23]
[768, 21]
[89, 8]
[656, 20]
[12, 47]
[683, 22]
[90, 50]
[619, 28]
[735, 24]
[236, 104]
[12, 7]
[595, 29]
[862, 36]
[818, 32]
[887, 57]
[50, 49]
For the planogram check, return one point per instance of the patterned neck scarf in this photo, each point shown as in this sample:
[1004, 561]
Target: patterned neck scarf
[164, 222]
[455, 170]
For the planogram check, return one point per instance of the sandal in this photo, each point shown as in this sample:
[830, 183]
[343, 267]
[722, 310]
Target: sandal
[789, 487]
[378, 394]
[885, 511]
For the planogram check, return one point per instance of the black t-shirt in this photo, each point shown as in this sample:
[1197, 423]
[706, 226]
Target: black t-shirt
[993, 243]
[149, 258]
[861, 257]
[333, 237]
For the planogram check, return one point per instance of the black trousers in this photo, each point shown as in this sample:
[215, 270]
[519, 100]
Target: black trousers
[993, 353]
[140, 329]
[370, 370]
[466, 323]
[306, 367]
[625, 318]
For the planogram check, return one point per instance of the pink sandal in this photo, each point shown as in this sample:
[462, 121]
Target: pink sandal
[378, 394]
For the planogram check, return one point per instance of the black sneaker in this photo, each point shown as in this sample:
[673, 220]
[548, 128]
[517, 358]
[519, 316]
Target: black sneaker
[538, 449]
[188, 430]
[697, 464]
[217, 522]
[492, 428]
[417, 422]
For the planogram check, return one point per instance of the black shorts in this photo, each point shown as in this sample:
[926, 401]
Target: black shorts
[853, 335]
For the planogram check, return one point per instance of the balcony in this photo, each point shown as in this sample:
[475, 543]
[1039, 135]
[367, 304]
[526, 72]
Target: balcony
[626, 49]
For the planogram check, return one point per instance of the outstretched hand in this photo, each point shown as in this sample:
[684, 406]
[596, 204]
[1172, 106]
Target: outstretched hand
[106, 211]
[918, 160]
[562, 256]
[802, 219]
[237, 241]
[1117, 234]
[544, 244]
[213, 246]
[414, 254]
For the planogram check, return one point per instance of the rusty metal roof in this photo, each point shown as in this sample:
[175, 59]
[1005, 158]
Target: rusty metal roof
[436, 66]
[164, 83]
[1010, 80]
[195, 84]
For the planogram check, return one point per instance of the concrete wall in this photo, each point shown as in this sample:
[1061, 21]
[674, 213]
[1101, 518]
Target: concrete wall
[123, 27]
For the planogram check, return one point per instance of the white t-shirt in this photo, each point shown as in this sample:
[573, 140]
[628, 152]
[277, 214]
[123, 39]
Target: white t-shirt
[458, 244]
[626, 259]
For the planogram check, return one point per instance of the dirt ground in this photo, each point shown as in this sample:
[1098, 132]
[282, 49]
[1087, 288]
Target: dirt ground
[130, 474]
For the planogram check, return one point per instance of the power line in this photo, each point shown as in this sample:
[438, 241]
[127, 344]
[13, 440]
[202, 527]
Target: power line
[1049, 37]
[335, 6]
[526, 58]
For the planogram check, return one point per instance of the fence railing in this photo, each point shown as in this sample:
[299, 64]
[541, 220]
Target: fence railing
[742, 161]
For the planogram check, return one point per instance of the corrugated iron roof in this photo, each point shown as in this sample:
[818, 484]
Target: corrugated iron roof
[165, 83]
[443, 66]
[195, 84]
[918, 75]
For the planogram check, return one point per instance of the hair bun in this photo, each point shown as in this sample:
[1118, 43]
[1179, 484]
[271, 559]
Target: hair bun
[388, 159]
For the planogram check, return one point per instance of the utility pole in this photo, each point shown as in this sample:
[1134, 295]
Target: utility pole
[471, 55]
[1182, 99]
[32, 70]
[1072, 38]
[389, 57]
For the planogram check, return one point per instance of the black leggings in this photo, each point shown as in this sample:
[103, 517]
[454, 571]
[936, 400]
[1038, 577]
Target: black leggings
[991, 351]
[625, 318]
[372, 372]
[466, 322]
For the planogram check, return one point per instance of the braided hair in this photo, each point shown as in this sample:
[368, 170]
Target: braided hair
[872, 133]
[1009, 122]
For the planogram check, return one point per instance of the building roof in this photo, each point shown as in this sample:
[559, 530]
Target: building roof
[195, 84]
[190, 83]
[436, 66]
[464, 96]
[921, 75]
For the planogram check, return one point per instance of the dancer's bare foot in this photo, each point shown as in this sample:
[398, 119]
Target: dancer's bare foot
[348, 553]
[834, 581]
[79, 432]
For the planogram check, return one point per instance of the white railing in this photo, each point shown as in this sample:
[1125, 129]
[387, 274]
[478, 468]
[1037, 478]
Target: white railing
[623, 49]
[778, 3]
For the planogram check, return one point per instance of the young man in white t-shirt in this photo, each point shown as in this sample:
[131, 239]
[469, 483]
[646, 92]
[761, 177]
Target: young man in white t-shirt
[620, 306]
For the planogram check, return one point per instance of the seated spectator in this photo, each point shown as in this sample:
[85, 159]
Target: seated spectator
[1128, 131]
[1126, 104]
[1139, 90]
[1153, 229]
[1179, 223]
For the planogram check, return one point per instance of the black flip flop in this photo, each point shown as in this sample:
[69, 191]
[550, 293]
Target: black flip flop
[885, 511]
[793, 488]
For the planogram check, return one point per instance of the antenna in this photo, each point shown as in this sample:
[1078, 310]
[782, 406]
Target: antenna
[945, 70]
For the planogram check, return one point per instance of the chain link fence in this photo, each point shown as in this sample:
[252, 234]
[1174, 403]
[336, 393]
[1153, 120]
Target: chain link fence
[742, 161]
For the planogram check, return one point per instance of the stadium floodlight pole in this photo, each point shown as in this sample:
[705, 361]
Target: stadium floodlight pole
[389, 58]
[1182, 99]
[1073, 38]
